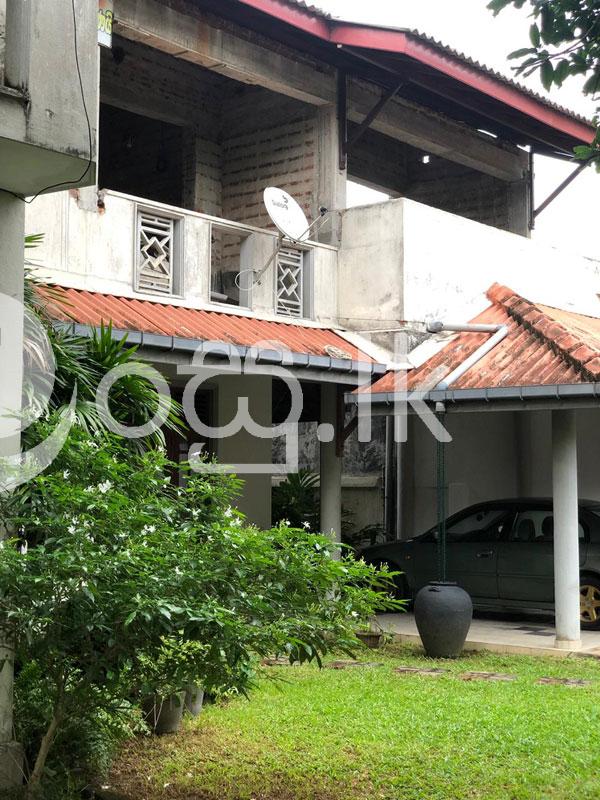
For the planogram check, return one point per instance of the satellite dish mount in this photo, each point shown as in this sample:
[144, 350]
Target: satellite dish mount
[291, 222]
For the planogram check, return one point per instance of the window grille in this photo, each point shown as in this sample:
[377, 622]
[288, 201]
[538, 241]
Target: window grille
[155, 253]
[290, 282]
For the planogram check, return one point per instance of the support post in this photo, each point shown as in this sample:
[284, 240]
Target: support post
[12, 224]
[330, 463]
[566, 530]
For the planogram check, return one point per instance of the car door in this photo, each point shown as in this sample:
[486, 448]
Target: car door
[472, 550]
[526, 558]
[472, 539]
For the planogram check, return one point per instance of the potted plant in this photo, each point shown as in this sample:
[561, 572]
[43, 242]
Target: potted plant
[372, 636]
[166, 687]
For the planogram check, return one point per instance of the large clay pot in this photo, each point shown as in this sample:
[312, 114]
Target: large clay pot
[194, 698]
[443, 613]
[164, 714]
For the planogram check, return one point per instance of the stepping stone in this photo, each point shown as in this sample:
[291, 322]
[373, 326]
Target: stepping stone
[486, 676]
[347, 664]
[276, 662]
[434, 673]
[563, 682]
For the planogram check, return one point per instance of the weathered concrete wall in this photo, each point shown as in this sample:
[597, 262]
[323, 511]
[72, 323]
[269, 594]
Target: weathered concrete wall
[406, 261]
[46, 140]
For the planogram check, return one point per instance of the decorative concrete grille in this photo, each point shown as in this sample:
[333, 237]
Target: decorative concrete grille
[290, 282]
[155, 255]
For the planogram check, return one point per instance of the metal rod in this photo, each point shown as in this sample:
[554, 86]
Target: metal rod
[560, 188]
[372, 115]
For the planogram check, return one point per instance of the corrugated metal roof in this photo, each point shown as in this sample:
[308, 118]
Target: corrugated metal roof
[459, 55]
[130, 314]
[544, 346]
[334, 22]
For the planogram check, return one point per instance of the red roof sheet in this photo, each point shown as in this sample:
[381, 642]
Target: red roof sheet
[544, 346]
[131, 314]
[436, 55]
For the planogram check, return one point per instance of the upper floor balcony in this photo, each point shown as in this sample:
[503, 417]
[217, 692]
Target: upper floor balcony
[397, 263]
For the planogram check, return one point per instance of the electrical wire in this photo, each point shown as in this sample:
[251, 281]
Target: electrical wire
[87, 118]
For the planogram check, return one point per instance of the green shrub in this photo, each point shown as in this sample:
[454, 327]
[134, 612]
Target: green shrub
[120, 564]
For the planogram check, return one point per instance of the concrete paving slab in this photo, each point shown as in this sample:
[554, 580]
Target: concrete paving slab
[501, 634]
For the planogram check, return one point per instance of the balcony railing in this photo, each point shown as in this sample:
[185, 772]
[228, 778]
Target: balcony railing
[115, 243]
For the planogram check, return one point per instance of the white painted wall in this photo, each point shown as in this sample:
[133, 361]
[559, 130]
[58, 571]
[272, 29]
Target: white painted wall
[402, 260]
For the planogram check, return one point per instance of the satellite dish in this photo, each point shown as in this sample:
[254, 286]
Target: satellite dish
[286, 214]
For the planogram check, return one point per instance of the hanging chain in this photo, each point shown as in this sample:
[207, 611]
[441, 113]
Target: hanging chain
[441, 505]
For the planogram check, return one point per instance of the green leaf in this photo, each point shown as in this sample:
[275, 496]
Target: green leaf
[497, 5]
[547, 74]
[534, 35]
[523, 51]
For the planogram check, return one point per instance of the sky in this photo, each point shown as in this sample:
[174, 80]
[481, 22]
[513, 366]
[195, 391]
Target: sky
[571, 221]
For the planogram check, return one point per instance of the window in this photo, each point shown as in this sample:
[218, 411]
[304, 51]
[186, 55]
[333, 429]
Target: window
[158, 244]
[537, 525]
[483, 525]
[294, 279]
[230, 282]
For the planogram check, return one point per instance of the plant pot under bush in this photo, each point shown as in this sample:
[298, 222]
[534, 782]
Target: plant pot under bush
[194, 699]
[372, 639]
[443, 614]
[164, 714]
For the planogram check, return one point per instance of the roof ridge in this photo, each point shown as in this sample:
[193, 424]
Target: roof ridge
[559, 339]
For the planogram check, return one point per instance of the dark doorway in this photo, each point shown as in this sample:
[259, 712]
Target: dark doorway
[140, 156]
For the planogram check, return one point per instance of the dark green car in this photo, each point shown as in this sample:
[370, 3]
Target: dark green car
[501, 553]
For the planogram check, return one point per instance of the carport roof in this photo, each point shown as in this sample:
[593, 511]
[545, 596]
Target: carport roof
[166, 326]
[546, 351]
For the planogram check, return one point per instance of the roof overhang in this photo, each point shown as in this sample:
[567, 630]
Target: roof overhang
[437, 72]
[502, 398]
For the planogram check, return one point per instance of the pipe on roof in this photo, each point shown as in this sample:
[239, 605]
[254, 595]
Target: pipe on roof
[500, 332]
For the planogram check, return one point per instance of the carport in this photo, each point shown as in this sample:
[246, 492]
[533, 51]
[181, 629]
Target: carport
[516, 358]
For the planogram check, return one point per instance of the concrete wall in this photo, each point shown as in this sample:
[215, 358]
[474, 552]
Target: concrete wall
[242, 447]
[493, 455]
[406, 261]
[44, 135]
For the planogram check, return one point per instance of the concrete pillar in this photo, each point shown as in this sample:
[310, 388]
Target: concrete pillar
[332, 180]
[566, 529]
[12, 223]
[330, 464]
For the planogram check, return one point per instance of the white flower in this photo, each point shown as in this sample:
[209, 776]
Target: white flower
[149, 529]
[104, 487]
[24, 548]
[66, 474]
[228, 512]
[71, 528]
[306, 525]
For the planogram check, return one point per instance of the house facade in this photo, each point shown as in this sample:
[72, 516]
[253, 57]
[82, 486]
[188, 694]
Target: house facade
[201, 107]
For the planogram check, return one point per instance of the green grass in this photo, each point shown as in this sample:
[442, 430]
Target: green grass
[369, 733]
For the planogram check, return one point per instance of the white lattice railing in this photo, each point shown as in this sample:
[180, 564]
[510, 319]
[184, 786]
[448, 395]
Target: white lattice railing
[290, 282]
[155, 253]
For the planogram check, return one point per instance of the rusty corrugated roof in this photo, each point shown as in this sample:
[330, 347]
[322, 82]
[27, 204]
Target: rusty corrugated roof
[147, 316]
[544, 346]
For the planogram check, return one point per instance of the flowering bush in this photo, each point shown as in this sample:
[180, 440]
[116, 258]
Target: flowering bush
[112, 560]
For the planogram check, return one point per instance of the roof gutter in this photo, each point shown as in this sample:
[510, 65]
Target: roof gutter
[178, 344]
[557, 392]
[500, 332]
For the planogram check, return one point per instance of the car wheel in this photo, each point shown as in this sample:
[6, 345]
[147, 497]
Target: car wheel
[589, 603]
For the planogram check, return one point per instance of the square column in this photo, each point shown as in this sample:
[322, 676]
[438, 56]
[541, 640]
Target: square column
[12, 223]
[330, 462]
[566, 530]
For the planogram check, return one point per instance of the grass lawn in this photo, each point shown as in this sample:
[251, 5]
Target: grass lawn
[310, 734]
